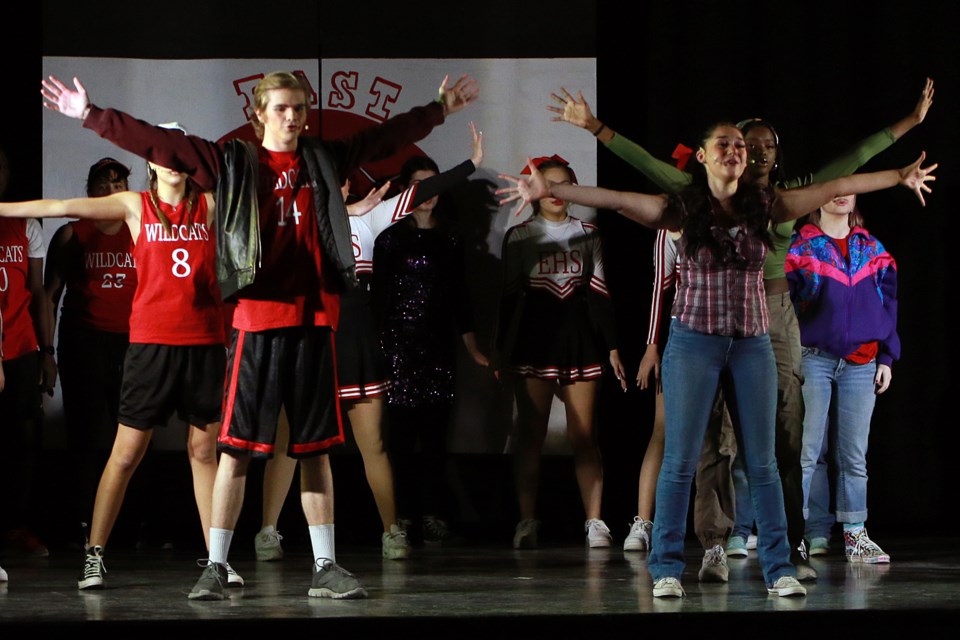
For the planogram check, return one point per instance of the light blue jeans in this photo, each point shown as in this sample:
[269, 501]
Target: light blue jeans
[839, 398]
[693, 364]
[819, 512]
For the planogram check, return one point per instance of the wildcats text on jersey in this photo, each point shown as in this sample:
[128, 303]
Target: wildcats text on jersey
[11, 253]
[178, 233]
[109, 260]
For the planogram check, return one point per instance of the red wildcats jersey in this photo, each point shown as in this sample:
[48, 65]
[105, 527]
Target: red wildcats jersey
[101, 279]
[18, 334]
[289, 290]
[177, 301]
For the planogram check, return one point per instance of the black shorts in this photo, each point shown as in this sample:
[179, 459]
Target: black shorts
[159, 379]
[293, 368]
[20, 399]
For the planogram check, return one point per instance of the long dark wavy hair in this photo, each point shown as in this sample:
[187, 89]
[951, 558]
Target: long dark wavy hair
[698, 210]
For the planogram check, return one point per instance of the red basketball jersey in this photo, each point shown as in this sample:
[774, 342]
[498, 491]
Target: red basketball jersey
[101, 279]
[18, 335]
[177, 301]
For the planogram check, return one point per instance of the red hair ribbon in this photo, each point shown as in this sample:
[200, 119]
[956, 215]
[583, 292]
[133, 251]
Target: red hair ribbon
[539, 161]
[682, 154]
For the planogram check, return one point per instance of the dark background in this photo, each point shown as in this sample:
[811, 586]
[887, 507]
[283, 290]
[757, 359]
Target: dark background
[826, 73]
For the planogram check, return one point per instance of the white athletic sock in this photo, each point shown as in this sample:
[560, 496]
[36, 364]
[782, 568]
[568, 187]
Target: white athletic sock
[220, 544]
[321, 538]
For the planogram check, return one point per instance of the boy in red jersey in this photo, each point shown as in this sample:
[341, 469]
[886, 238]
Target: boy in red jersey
[283, 253]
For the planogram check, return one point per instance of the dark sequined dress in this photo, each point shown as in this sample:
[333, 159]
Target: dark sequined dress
[422, 307]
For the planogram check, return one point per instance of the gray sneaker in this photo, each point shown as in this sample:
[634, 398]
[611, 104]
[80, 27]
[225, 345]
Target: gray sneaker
[211, 583]
[267, 545]
[330, 580]
[639, 537]
[394, 543]
[93, 569]
[525, 536]
[714, 568]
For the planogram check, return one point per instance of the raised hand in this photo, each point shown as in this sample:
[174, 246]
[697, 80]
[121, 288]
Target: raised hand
[465, 91]
[477, 156]
[923, 104]
[372, 199]
[576, 111]
[526, 190]
[62, 99]
[915, 177]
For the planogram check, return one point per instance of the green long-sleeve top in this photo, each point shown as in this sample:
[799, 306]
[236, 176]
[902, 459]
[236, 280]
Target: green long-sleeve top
[673, 180]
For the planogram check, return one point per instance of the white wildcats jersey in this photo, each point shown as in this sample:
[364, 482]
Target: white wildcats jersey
[365, 229]
[556, 257]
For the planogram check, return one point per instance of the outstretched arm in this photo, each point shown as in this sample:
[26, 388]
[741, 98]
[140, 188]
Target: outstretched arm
[645, 209]
[793, 203]
[118, 206]
[865, 149]
[577, 112]
[198, 158]
[386, 139]
[387, 212]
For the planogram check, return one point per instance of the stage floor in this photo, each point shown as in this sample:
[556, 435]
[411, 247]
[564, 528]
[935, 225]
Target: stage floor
[474, 588]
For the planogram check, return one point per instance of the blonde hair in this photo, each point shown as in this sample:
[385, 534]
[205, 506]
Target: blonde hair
[269, 82]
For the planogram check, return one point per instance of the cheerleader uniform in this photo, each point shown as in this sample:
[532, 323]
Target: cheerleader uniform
[555, 303]
[176, 359]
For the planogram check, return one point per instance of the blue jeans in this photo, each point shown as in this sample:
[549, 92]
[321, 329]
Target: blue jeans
[817, 508]
[839, 399]
[693, 364]
[743, 527]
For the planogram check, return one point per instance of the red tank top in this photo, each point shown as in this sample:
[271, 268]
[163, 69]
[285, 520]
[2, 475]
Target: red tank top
[18, 335]
[178, 299]
[101, 279]
[289, 289]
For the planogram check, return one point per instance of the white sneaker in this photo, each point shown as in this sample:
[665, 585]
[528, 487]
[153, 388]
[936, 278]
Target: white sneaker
[3, 575]
[787, 586]
[525, 537]
[598, 534]
[668, 588]
[751, 542]
[234, 579]
[395, 545]
[860, 548]
[267, 545]
[639, 537]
